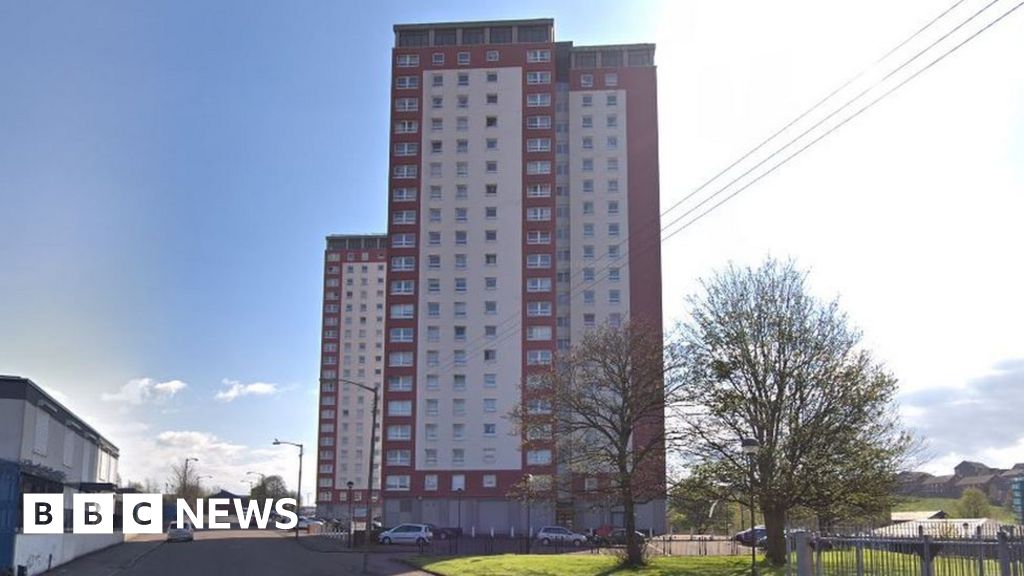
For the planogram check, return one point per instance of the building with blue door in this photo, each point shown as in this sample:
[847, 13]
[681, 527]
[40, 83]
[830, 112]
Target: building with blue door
[1017, 498]
[45, 448]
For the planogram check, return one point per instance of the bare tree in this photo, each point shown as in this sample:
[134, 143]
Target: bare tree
[764, 360]
[603, 407]
[184, 482]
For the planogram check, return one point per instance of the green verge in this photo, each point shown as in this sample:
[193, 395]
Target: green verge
[587, 565]
[916, 504]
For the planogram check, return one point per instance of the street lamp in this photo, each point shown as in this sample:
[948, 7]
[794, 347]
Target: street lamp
[298, 490]
[184, 478]
[369, 476]
[750, 447]
[528, 479]
[351, 520]
[458, 498]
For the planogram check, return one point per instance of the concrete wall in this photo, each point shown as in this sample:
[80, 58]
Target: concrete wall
[40, 552]
[11, 414]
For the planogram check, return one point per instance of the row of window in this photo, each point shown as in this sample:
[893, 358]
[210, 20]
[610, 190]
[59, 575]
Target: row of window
[535, 122]
[412, 104]
[465, 58]
[611, 80]
[461, 261]
[587, 100]
[534, 308]
[406, 149]
[410, 194]
[461, 284]
[459, 358]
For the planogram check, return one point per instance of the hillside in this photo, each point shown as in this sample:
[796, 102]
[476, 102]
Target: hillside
[913, 504]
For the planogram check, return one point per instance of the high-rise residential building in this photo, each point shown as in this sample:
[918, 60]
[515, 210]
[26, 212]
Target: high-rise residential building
[352, 354]
[523, 211]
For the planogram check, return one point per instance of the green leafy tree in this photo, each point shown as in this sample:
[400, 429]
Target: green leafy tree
[765, 360]
[973, 503]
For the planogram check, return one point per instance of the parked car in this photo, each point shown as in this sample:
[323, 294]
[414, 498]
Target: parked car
[179, 532]
[751, 537]
[305, 523]
[407, 534]
[445, 533]
[557, 535]
[617, 537]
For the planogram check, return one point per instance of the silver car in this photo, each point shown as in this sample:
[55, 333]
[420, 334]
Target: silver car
[557, 535]
[407, 534]
[179, 532]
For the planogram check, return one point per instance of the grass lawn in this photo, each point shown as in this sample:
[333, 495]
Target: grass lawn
[587, 565]
[915, 504]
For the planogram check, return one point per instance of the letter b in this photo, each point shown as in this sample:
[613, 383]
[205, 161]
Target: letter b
[93, 513]
[43, 513]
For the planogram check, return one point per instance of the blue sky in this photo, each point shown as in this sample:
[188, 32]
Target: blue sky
[168, 171]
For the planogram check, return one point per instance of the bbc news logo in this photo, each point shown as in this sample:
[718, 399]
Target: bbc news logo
[143, 513]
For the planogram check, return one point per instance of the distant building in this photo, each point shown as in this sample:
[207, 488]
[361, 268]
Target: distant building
[994, 482]
[45, 448]
[1017, 498]
[899, 517]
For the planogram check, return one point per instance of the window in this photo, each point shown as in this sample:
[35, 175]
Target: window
[490, 430]
[404, 217]
[541, 77]
[588, 143]
[460, 283]
[397, 482]
[542, 284]
[458, 431]
[433, 309]
[491, 166]
[460, 237]
[538, 457]
[492, 55]
[435, 169]
[490, 331]
[405, 171]
[492, 76]
[430, 431]
[401, 334]
[430, 482]
[408, 60]
[490, 259]
[433, 261]
[538, 145]
[538, 100]
[538, 191]
[398, 457]
[492, 143]
[538, 214]
[538, 333]
[611, 79]
[611, 99]
[402, 311]
[407, 104]
[461, 191]
[436, 124]
[404, 194]
[534, 56]
[459, 406]
[587, 80]
[587, 121]
[437, 58]
[400, 408]
[490, 481]
[463, 79]
[437, 80]
[459, 480]
[406, 127]
[588, 164]
[538, 308]
[613, 250]
[613, 186]
[490, 380]
[437, 102]
[432, 407]
[535, 237]
[491, 190]
[462, 123]
[588, 251]
[460, 261]
[613, 207]
[399, 432]
[463, 58]
[588, 101]
[614, 297]
[538, 122]
[399, 359]
[538, 261]
[459, 380]
[588, 296]
[407, 82]
[490, 235]
[588, 230]
[491, 122]
[537, 167]
[613, 230]
[433, 358]
[538, 357]
[612, 121]
[430, 456]
[492, 98]
[406, 149]
[463, 101]
[400, 383]
[490, 283]
[403, 241]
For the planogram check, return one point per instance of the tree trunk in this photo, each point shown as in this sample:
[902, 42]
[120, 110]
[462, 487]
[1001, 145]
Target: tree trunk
[634, 555]
[775, 525]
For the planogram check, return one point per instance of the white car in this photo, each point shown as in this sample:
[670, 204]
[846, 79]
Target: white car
[179, 532]
[305, 523]
[407, 534]
[557, 535]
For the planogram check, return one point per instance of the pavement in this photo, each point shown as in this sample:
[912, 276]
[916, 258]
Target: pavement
[227, 552]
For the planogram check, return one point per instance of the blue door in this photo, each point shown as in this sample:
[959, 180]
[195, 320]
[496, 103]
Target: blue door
[8, 512]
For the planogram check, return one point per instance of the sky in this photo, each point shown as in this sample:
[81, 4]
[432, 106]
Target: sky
[168, 172]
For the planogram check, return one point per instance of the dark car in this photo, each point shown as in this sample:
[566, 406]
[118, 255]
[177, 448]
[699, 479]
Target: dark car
[617, 537]
[445, 533]
[751, 537]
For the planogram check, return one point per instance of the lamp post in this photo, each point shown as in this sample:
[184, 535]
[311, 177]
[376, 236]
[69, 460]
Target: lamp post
[458, 498]
[369, 476]
[750, 447]
[528, 479]
[184, 479]
[298, 490]
[351, 520]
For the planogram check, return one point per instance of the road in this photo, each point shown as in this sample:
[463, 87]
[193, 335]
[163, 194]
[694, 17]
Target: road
[227, 552]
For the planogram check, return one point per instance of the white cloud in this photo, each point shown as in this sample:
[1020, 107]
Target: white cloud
[237, 389]
[140, 390]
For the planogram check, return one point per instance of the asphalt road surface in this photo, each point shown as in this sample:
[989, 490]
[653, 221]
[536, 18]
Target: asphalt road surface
[228, 552]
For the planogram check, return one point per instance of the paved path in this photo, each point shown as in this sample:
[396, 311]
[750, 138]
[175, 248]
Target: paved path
[227, 552]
